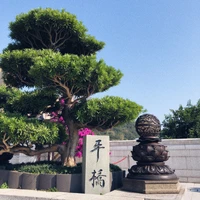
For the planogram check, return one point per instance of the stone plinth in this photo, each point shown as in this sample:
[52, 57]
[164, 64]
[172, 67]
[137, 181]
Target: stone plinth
[151, 186]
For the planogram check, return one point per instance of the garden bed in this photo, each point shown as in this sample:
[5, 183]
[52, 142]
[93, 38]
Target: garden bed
[57, 178]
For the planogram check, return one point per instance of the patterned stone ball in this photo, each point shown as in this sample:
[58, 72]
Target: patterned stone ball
[148, 125]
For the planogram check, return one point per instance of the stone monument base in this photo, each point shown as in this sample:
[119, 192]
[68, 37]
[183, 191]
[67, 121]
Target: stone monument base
[151, 186]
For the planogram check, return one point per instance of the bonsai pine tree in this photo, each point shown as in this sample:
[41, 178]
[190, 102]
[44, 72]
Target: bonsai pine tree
[52, 53]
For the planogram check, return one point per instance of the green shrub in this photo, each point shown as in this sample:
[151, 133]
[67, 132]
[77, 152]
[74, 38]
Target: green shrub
[4, 186]
[45, 167]
[114, 168]
[49, 167]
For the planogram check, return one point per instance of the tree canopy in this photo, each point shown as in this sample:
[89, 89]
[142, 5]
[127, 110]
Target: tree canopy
[53, 54]
[52, 29]
[183, 122]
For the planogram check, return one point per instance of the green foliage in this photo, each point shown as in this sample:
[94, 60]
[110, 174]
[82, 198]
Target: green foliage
[7, 95]
[107, 112]
[45, 167]
[21, 130]
[4, 186]
[82, 74]
[53, 189]
[33, 102]
[16, 65]
[50, 167]
[183, 123]
[122, 132]
[52, 29]
[114, 168]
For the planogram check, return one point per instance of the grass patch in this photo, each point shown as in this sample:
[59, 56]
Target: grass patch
[54, 189]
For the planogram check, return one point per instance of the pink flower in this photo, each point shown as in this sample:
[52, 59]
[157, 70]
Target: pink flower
[62, 102]
[77, 148]
[54, 114]
[61, 119]
[80, 141]
[78, 154]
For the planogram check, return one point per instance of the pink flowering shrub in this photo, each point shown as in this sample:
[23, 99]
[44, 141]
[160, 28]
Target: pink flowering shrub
[79, 148]
[56, 117]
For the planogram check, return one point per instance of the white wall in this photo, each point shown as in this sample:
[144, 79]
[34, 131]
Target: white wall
[184, 157]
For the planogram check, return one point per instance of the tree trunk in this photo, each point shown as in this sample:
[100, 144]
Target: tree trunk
[69, 151]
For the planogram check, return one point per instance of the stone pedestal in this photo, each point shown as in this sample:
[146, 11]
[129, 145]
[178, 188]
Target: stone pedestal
[151, 186]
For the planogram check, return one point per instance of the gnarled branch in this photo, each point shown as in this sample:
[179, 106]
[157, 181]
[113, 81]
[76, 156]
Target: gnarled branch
[30, 152]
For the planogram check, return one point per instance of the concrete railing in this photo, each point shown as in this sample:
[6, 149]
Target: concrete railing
[184, 157]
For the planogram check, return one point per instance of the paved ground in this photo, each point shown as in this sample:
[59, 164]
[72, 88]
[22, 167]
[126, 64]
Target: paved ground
[189, 191]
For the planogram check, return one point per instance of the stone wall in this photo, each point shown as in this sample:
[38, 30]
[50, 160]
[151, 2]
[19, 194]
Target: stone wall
[184, 157]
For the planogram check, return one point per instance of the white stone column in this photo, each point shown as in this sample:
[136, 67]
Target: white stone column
[95, 165]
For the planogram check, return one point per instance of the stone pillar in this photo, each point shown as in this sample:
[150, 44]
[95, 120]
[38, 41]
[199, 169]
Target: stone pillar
[150, 175]
[1, 79]
[95, 165]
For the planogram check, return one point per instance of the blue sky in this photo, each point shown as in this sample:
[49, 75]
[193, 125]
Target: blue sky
[155, 43]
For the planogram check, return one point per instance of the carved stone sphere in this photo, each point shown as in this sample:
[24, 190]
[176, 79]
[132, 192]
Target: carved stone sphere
[148, 125]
